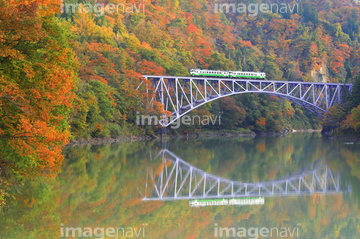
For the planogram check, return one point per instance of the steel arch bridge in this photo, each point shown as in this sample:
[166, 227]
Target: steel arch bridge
[180, 95]
[179, 180]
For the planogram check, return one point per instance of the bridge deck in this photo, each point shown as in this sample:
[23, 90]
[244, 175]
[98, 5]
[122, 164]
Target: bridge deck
[240, 79]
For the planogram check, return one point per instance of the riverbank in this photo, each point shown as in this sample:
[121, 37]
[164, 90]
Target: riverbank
[335, 134]
[108, 140]
[353, 138]
[159, 137]
[205, 134]
[306, 130]
[209, 134]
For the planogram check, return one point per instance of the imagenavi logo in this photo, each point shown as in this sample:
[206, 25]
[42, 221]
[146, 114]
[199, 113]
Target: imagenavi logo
[256, 232]
[253, 9]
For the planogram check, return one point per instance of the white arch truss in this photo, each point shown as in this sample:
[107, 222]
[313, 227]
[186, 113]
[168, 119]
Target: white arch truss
[180, 95]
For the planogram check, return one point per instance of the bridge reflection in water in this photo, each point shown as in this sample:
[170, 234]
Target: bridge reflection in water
[179, 180]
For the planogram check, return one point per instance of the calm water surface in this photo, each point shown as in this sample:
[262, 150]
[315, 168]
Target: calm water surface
[101, 187]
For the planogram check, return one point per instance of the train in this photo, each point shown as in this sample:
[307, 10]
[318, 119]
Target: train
[228, 74]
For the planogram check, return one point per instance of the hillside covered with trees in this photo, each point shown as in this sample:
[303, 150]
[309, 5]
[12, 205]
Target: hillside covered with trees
[72, 73]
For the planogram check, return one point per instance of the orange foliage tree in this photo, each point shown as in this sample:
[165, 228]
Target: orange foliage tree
[353, 120]
[37, 75]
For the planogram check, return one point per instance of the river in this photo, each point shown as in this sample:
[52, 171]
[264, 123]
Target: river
[310, 186]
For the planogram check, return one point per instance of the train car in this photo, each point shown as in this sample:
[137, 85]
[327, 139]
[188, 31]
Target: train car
[215, 73]
[228, 74]
[247, 74]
